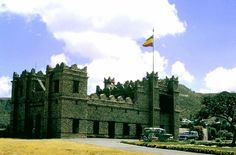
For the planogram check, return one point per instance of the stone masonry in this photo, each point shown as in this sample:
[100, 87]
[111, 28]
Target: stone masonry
[56, 104]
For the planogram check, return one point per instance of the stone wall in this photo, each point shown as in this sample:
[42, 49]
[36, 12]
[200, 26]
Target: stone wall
[63, 108]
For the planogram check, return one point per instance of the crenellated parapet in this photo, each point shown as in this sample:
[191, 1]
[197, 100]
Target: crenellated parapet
[169, 84]
[111, 98]
[62, 68]
[109, 83]
[26, 73]
[124, 90]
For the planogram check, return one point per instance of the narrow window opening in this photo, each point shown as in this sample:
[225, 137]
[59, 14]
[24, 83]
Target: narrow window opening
[96, 127]
[126, 129]
[56, 86]
[75, 125]
[75, 86]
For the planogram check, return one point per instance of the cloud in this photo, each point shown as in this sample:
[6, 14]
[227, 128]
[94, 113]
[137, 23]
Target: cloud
[123, 17]
[220, 79]
[105, 34]
[124, 68]
[57, 59]
[5, 86]
[178, 69]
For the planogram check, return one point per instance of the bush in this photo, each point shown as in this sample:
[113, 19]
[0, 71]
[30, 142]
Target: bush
[192, 141]
[211, 133]
[190, 148]
[225, 135]
[218, 140]
[228, 135]
[221, 133]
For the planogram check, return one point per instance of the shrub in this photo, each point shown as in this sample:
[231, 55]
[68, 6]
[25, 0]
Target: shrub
[228, 135]
[190, 148]
[192, 141]
[211, 133]
[221, 133]
[218, 140]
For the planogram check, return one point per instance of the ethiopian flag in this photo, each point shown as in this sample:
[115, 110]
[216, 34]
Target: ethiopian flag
[149, 42]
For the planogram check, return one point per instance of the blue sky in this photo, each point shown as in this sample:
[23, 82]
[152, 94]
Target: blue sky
[195, 40]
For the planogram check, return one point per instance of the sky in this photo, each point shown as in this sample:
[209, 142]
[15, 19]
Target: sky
[194, 40]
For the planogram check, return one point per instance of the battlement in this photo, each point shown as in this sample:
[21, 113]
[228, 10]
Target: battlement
[169, 84]
[111, 98]
[117, 90]
[26, 73]
[64, 68]
[59, 68]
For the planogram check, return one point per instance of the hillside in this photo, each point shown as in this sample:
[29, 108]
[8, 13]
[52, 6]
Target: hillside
[188, 103]
[5, 109]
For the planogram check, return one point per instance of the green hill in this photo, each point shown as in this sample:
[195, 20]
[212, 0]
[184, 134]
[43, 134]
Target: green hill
[188, 103]
[5, 109]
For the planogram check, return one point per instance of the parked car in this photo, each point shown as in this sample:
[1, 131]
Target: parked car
[189, 135]
[153, 133]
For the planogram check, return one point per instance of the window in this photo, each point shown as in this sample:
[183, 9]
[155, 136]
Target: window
[21, 90]
[125, 129]
[75, 125]
[96, 127]
[56, 86]
[138, 130]
[166, 104]
[75, 86]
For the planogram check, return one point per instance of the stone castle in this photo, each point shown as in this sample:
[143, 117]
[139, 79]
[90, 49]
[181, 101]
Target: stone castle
[56, 104]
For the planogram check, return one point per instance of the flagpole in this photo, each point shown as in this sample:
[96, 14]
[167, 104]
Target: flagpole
[153, 72]
[153, 48]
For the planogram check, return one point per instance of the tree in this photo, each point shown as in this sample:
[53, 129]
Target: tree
[222, 105]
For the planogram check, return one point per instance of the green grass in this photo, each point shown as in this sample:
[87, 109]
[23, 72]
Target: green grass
[186, 146]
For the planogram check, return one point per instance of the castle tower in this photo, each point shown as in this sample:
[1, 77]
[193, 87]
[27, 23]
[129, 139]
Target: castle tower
[28, 98]
[67, 98]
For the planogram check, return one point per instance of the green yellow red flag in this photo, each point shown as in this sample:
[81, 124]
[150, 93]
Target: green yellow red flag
[149, 42]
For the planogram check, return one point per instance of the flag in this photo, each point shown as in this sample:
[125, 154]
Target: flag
[148, 42]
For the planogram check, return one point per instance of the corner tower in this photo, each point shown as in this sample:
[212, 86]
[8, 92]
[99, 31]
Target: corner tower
[67, 96]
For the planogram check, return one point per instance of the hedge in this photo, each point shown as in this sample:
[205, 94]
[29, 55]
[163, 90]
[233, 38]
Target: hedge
[189, 148]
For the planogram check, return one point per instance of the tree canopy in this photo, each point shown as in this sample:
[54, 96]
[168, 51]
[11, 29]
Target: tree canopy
[222, 105]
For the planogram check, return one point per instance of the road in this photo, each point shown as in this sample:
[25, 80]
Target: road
[115, 143]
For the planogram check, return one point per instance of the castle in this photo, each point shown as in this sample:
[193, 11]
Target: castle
[56, 104]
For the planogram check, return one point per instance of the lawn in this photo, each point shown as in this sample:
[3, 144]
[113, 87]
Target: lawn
[55, 147]
[186, 146]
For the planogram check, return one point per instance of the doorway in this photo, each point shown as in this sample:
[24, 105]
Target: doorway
[138, 130]
[111, 129]
[96, 127]
[38, 126]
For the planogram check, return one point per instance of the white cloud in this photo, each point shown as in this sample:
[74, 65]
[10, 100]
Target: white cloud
[178, 69]
[124, 68]
[123, 17]
[94, 45]
[105, 33]
[57, 59]
[5, 86]
[220, 79]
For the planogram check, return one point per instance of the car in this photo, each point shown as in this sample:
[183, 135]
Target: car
[189, 135]
[155, 133]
